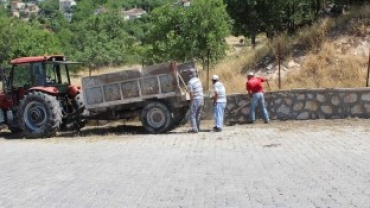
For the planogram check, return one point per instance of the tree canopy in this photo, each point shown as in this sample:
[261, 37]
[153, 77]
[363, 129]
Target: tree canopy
[169, 31]
[188, 33]
[251, 17]
[22, 39]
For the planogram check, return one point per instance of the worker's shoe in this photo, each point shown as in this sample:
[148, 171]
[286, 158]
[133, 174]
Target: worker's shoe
[251, 122]
[217, 129]
[191, 131]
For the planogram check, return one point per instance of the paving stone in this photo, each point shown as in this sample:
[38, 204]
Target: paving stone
[285, 164]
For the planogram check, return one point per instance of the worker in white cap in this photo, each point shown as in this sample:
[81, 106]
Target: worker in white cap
[255, 92]
[195, 90]
[218, 97]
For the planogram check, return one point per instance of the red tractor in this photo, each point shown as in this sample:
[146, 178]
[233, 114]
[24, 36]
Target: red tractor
[38, 98]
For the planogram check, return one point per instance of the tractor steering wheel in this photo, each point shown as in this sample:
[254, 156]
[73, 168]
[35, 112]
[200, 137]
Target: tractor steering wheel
[49, 80]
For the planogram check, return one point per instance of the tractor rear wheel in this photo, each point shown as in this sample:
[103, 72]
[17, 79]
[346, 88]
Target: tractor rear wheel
[40, 115]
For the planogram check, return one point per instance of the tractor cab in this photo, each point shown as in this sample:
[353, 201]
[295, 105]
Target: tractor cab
[49, 74]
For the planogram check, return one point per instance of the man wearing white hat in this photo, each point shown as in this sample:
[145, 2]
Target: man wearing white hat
[219, 102]
[255, 91]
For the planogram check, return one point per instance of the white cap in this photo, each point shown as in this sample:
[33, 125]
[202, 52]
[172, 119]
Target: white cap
[250, 74]
[214, 77]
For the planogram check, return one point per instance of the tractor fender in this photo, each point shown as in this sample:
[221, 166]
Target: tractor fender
[73, 90]
[48, 90]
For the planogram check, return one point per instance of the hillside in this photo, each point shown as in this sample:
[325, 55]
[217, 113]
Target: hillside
[331, 53]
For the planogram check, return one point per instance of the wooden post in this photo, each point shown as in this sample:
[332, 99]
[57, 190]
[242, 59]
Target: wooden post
[278, 56]
[368, 72]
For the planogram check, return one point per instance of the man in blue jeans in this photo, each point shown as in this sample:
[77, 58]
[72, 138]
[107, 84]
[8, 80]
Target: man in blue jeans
[195, 90]
[255, 91]
[218, 97]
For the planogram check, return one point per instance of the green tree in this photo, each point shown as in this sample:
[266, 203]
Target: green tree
[187, 33]
[48, 8]
[251, 17]
[101, 40]
[22, 39]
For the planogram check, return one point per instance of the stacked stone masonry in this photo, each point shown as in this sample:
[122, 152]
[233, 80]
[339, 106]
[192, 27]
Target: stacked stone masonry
[300, 104]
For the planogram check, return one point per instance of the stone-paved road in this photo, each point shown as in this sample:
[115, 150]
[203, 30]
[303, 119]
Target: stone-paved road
[284, 164]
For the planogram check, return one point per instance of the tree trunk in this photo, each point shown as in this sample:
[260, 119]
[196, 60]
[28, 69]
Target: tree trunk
[253, 34]
[318, 6]
[290, 23]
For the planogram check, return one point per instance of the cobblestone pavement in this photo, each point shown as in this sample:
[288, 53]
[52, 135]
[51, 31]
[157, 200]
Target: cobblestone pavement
[284, 164]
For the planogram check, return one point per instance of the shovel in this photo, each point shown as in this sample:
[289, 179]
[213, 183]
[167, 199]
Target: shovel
[236, 110]
[230, 116]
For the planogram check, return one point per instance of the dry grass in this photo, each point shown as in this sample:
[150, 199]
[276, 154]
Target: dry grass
[232, 70]
[326, 63]
[328, 68]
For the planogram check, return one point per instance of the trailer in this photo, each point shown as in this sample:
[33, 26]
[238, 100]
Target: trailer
[155, 94]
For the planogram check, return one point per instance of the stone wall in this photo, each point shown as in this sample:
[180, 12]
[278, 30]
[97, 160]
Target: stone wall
[300, 104]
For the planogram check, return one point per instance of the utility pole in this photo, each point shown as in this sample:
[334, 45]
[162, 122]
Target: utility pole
[208, 57]
[368, 72]
[279, 64]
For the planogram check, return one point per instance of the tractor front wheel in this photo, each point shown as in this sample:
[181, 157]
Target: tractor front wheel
[39, 115]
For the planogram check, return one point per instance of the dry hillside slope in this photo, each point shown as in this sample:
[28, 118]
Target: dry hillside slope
[331, 53]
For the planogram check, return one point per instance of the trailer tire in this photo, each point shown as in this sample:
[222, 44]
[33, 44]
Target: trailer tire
[156, 117]
[181, 117]
[39, 115]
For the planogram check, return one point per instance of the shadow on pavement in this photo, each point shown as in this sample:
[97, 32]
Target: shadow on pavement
[9, 135]
[101, 131]
[117, 130]
[97, 131]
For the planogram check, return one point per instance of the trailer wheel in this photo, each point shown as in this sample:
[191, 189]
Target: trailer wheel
[156, 117]
[39, 115]
[181, 117]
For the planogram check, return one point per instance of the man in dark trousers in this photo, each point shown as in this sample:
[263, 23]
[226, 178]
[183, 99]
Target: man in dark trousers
[255, 92]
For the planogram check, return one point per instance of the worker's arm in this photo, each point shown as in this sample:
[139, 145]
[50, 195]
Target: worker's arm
[248, 90]
[190, 91]
[267, 82]
[250, 94]
[214, 98]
